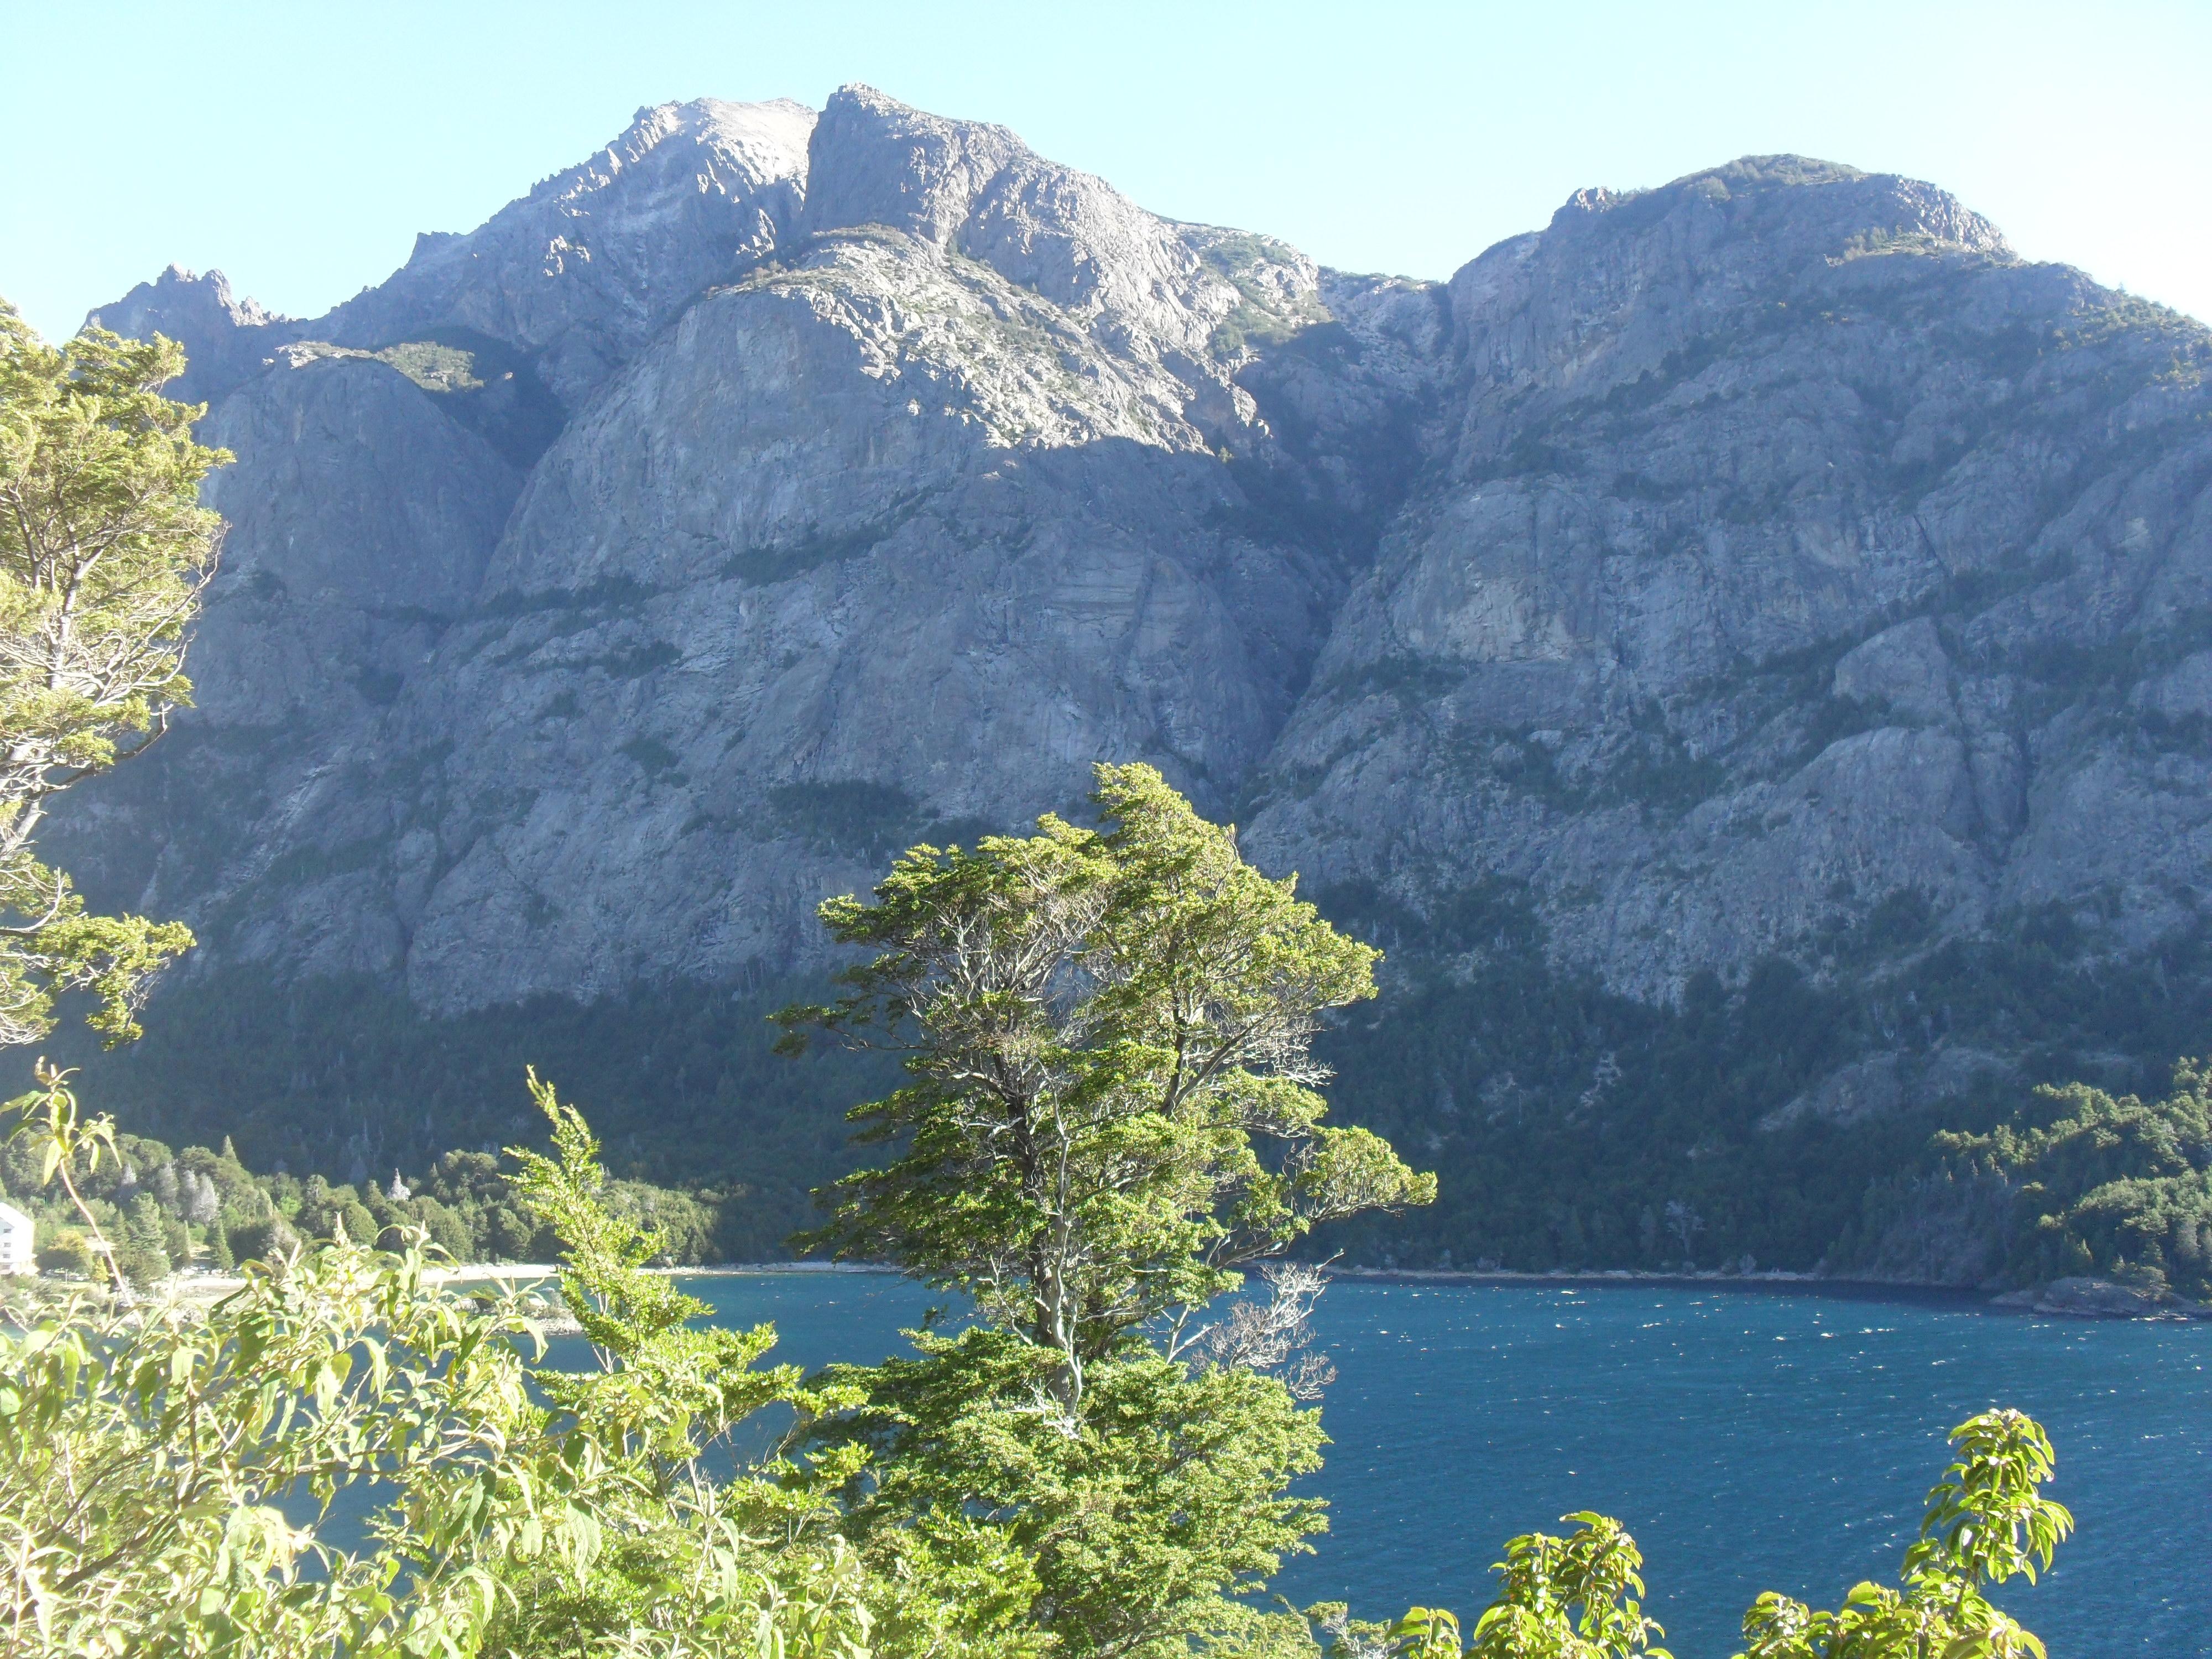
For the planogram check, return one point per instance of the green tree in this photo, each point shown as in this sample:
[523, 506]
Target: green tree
[665, 1386]
[2121, 1188]
[324, 1210]
[1112, 1107]
[1113, 1103]
[104, 554]
[680, 1562]
[143, 1252]
[70, 1252]
[1132, 1514]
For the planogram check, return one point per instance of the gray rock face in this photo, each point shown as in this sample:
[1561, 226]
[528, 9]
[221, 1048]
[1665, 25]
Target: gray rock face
[916, 520]
[1698, 438]
[1886, 1082]
[596, 260]
[1735, 568]
[226, 340]
[359, 518]
[1901, 671]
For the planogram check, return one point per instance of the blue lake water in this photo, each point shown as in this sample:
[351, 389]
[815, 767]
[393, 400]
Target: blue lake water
[1752, 1439]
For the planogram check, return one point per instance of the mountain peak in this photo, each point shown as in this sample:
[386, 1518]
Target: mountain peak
[224, 338]
[181, 290]
[1819, 199]
[876, 160]
[599, 258]
[977, 189]
[770, 138]
[1620, 279]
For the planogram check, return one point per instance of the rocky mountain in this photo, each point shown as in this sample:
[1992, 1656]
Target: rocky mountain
[1746, 649]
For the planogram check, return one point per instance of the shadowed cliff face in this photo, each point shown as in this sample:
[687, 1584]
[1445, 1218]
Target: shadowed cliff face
[1742, 592]
[1716, 573]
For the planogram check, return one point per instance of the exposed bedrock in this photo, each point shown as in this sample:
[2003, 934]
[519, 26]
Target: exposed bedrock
[1714, 567]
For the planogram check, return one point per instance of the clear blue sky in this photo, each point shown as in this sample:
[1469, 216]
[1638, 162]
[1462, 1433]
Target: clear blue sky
[300, 147]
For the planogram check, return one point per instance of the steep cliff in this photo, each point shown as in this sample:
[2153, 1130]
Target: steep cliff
[1750, 584]
[1717, 643]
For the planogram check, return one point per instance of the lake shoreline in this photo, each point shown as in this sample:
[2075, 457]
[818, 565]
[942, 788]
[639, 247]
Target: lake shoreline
[2065, 1298]
[2086, 1299]
[1777, 1279]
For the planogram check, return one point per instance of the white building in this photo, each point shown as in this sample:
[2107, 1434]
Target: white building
[15, 1252]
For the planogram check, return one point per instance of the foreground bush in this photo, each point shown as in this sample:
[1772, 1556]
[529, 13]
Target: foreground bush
[169, 1474]
[1580, 1597]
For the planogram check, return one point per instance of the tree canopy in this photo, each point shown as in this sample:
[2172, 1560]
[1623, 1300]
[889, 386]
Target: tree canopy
[1113, 1101]
[105, 551]
[2121, 1188]
[1112, 1106]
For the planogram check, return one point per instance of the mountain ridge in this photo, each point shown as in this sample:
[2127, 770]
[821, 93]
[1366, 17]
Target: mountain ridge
[1768, 573]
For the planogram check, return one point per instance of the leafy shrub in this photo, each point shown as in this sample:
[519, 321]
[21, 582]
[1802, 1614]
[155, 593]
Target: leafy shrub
[145, 1452]
[70, 1252]
[1579, 1596]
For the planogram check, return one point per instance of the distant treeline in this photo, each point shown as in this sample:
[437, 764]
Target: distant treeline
[346, 1076]
[168, 1210]
[1570, 1126]
[2086, 1182]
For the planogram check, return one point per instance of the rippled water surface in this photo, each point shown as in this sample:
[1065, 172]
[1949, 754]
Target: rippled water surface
[1751, 1439]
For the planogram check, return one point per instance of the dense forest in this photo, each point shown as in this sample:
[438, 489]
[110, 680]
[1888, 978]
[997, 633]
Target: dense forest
[1573, 1128]
[1570, 1129]
[2115, 1187]
[2035, 1185]
[171, 1212]
[682, 1076]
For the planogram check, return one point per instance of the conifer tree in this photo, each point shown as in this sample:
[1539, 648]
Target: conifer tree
[105, 551]
[1113, 1103]
[1112, 1107]
[219, 1254]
